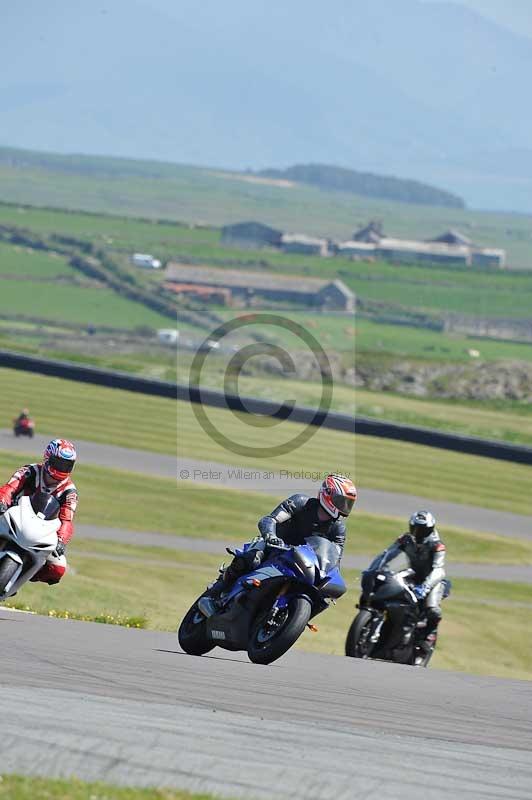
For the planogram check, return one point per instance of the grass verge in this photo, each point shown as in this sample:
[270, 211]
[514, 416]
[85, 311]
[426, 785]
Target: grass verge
[116, 499]
[76, 410]
[17, 787]
[112, 416]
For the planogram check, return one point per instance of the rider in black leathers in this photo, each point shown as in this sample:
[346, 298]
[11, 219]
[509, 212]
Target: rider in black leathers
[291, 523]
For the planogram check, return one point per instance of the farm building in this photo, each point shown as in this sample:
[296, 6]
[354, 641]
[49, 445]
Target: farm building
[403, 250]
[452, 237]
[251, 288]
[306, 245]
[452, 247]
[355, 248]
[486, 257]
[209, 294]
[370, 233]
[251, 234]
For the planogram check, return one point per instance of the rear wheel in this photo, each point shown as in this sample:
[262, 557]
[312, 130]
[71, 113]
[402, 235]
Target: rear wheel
[192, 633]
[275, 632]
[357, 644]
[8, 568]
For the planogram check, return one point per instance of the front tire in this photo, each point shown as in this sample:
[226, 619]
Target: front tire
[356, 645]
[267, 644]
[192, 633]
[8, 568]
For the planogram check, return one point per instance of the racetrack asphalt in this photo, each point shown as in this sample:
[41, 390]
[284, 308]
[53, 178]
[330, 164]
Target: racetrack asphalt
[224, 476]
[490, 572]
[127, 706]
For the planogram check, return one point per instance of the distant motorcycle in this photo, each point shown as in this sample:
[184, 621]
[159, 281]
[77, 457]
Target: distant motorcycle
[24, 427]
[266, 611]
[28, 534]
[390, 624]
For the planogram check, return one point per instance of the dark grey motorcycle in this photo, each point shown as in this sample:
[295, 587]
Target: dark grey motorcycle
[390, 624]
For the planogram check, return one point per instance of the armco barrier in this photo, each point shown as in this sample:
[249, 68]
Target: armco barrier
[85, 374]
[364, 426]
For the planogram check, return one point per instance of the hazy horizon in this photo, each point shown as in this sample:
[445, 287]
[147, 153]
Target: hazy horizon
[430, 90]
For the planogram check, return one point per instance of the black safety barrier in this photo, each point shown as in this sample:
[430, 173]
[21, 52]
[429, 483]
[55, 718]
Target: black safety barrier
[86, 374]
[364, 426]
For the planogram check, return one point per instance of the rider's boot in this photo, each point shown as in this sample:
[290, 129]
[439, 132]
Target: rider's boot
[429, 642]
[209, 604]
[426, 649]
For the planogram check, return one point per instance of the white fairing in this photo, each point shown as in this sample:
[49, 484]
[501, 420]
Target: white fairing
[21, 526]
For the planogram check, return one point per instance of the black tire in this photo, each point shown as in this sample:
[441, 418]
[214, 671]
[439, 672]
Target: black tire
[192, 634]
[8, 567]
[270, 649]
[358, 626]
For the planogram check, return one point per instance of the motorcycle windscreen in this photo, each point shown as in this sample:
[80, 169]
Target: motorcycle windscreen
[393, 560]
[327, 553]
[45, 504]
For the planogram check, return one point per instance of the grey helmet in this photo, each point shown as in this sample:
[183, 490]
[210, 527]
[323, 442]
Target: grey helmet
[422, 524]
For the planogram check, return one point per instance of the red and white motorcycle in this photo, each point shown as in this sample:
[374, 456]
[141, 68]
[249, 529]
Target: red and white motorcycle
[28, 535]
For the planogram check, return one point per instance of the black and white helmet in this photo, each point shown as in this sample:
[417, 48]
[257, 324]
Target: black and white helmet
[422, 524]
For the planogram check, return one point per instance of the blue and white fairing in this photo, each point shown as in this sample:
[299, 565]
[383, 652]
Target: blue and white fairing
[313, 568]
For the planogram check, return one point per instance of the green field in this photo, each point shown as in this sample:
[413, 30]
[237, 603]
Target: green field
[404, 341]
[504, 420]
[80, 304]
[16, 787]
[433, 289]
[190, 194]
[29, 286]
[28, 263]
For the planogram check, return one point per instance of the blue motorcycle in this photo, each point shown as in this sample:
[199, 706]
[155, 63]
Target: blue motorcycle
[266, 611]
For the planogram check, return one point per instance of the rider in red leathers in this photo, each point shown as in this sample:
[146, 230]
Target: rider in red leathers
[52, 476]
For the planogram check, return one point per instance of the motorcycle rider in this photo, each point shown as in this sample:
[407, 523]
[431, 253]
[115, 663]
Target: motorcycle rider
[24, 415]
[426, 551]
[290, 523]
[51, 476]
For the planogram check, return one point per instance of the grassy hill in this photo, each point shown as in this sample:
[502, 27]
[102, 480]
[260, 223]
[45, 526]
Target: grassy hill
[40, 285]
[194, 194]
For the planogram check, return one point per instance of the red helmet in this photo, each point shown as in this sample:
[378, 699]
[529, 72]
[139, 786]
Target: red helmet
[337, 495]
[59, 459]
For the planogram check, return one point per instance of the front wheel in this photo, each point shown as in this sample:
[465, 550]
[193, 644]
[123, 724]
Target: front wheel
[8, 568]
[275, 632]
[357, 644]
[192, 633]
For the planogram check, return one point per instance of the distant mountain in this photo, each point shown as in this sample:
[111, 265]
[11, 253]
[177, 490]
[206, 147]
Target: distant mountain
[410, 89]
[366, 184]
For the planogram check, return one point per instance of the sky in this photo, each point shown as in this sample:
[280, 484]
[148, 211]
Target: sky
[513, 14]
[432, 90]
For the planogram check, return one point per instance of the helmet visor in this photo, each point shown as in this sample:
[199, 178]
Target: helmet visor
[421, 531]
[58, 464]
[343, 504]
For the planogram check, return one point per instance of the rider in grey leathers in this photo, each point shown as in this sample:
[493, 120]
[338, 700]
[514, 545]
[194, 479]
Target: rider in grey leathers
[426, 552]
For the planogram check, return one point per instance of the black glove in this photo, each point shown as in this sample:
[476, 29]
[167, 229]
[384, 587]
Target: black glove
[60, 549]
[273, 541]
[3, 507]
